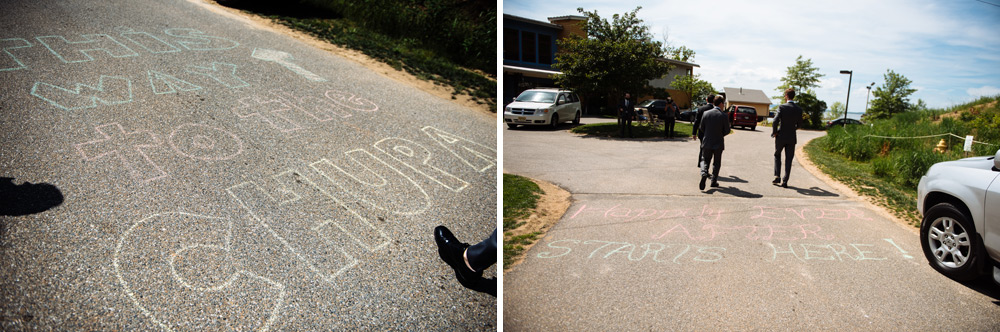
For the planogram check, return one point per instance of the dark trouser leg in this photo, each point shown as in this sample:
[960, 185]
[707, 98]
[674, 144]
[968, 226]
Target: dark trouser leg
[777, 158]
[701, 155]
[668, 126]
[716, 164]
[789, 154]
[706, 158]
[628, 126]
[483, 254]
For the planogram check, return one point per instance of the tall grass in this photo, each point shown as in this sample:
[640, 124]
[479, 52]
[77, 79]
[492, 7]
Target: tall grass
[902, 160]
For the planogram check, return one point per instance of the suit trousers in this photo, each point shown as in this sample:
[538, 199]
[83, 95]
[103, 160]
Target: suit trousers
[707, 156]
[483, 254]
[625, 123]
[668, 126]
[789, 154]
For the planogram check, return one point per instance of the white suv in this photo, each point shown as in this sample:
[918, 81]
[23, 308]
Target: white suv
[543, 106]
[960, 202]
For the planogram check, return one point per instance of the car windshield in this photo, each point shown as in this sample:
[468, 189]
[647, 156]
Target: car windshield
[646, 103]
[537, 97]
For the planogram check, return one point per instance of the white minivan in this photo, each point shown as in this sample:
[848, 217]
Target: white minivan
[543, 106]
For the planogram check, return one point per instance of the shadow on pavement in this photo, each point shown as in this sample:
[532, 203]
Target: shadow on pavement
[814, 191]
[299, 9]
[732, 179]
[732, 191]
[488, 286]
[27, 198]
[984, 285]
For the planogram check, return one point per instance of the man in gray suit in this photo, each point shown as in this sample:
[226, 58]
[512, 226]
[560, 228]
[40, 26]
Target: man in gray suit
[786, 122]
[714, 127]
[697, 121]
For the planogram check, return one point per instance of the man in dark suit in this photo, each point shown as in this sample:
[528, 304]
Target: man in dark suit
[626, 113]
[786, 122]
[697, 121]
[669, 117]
[714, 127]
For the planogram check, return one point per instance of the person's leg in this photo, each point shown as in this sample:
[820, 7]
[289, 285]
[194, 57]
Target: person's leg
[777, 159]
[716, 165]
[789, 154]
[482, 255]
[621, 126]
[706, 158]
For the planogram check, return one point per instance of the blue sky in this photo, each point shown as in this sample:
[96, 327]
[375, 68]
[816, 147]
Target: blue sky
[949, 49]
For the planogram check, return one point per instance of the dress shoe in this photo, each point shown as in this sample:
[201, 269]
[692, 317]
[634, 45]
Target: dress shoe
[453, 253]
[777, 180]
[784, 184]
[701, 185]
[715, 184]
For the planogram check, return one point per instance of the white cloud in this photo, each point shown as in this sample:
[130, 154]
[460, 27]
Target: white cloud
[949, 49]
[984, 91]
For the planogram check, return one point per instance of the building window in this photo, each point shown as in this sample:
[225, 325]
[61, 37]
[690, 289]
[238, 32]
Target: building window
[528, 46]
[510, 45]
[545, 49]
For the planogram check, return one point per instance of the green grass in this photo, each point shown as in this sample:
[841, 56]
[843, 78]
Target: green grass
[408, 54]
[610, 129]
[897, 198]
[889, 169]
[520, 197]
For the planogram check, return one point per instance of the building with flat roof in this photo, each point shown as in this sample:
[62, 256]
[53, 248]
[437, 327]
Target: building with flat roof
[529, 51]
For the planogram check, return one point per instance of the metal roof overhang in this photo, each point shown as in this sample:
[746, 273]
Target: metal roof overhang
[530, 72]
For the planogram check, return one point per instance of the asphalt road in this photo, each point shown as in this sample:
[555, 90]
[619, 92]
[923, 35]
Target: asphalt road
[642, 248]
[205, 173]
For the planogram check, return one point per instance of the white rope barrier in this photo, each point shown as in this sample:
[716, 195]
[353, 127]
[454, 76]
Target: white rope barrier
[928, 136]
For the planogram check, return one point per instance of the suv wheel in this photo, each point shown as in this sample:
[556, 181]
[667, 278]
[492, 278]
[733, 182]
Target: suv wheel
[576, 120]
[950, 242]
[554, 121]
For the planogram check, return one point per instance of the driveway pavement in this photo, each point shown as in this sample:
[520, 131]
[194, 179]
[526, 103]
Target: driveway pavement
[642, 248]
[206, 173]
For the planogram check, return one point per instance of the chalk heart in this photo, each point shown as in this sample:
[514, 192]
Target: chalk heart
[177, 269]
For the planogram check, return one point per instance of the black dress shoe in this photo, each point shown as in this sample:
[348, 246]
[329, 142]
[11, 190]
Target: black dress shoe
[453, 253]
[777, 180]
[784, 184]
[715, 184]
[701, 185]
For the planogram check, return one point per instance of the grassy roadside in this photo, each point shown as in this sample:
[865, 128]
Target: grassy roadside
[405, 54]
[897, 198]
[520, 198]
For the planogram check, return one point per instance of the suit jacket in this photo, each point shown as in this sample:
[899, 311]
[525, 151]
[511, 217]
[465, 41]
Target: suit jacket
[697, 119]
[714, 128]
[786, 122]
[626, 110]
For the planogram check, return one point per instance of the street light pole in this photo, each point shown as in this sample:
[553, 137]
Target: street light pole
[848, 103]
[868, 95]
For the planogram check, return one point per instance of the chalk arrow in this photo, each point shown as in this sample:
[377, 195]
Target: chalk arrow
[285, 59]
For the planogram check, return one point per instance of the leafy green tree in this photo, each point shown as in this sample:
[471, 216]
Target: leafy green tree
[802, 76]
[681, 53]
[615, 57]
[693, 86]
[836, 111]
[812, 109]
[891, 97]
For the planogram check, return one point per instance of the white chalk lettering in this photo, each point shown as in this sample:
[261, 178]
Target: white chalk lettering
[110, 90]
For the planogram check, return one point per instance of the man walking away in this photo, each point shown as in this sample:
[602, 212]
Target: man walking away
[697, 121]
[669, 118]
[714, 128]
[786, 122]
[626, 112]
